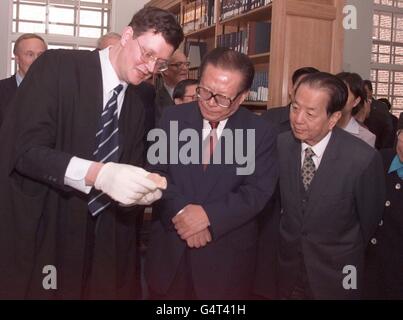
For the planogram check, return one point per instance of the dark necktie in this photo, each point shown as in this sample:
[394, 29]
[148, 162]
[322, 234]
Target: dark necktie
[107, 141]
[308, 168]
[209, 144]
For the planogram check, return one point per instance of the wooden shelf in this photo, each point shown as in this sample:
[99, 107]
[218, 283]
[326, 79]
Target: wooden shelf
[258, 104]
[257, 14]
[260, 58]
[206, 32]
[170, 5]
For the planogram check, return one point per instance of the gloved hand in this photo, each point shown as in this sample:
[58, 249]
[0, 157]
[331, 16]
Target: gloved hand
[149, 198]
[126, 184]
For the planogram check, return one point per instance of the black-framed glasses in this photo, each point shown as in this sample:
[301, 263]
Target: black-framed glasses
[149, 57]
[220, 99]
[180, 65]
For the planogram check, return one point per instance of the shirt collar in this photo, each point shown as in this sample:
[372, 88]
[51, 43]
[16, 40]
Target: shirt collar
[353, 126]
[18, 78]
[397, 166]
[110, 79]
[320, 147]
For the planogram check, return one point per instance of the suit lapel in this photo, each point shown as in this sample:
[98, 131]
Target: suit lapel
[325, 172]
[294, 167]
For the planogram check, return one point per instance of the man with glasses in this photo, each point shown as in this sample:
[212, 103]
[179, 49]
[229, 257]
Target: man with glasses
[203, 242]
[178, 69]
[70, 171]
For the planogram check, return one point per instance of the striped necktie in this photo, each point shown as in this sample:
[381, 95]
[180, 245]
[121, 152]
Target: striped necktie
[107, 141]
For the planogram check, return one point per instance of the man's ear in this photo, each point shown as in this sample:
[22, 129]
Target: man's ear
[357, 101]
[243, 96]
[127, 35]
[334, 118]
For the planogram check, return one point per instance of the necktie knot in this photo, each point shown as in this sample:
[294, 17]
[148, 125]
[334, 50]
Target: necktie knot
[309, 153]
[214, 124]
[117, 90]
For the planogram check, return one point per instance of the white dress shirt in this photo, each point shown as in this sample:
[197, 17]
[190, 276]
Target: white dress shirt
[318, 149]
[78, 168]
[360, 132]
[207, 128]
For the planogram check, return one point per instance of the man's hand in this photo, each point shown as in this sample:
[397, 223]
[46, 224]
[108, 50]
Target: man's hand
[126, 184]
[199, 240]
[191, 220]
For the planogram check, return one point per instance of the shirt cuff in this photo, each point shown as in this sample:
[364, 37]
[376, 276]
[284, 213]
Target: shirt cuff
[75, 174]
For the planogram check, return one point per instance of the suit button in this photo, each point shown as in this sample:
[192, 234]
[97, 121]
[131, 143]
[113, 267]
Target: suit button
[398, 186]
[387, 203]
[380, 223]
[374, 241]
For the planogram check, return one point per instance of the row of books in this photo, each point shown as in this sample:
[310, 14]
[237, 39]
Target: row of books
[260, 87]
[254, 40]
[198, 14]
[230, 8]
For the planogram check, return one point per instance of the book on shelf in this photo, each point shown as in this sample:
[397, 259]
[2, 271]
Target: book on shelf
[198, 14]
[195, 51]
[259, 33]
[259, 91]
[231, 8]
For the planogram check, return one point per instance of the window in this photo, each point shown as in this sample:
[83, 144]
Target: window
[387, 52]
[71, 24]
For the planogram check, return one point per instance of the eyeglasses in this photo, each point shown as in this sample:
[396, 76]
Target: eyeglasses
[220, 99]
[180, 64]
[148, 57]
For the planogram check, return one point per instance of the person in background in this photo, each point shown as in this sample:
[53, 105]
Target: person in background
[355, 102]
[332, 195]
[71, 176]
[395, 120]
[178, 70]
[185, 91]
[27, 48]
[379, 121]
[108, 39]
[384, 277]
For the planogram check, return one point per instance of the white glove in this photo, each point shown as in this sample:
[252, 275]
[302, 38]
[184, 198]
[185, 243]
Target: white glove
[149, 198]
[124, 183]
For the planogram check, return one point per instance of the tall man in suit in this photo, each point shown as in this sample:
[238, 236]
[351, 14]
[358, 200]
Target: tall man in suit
[332, 193]
[70, 167]
[203, 241]
[28, 47]
[266, 266]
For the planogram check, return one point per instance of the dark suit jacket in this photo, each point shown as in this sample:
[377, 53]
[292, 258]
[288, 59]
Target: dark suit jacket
[385, 255]
[342, 209]
[8, 87]
[280, 116]
[225, 267]
[55, 116]
[162, 100]
[380, 123]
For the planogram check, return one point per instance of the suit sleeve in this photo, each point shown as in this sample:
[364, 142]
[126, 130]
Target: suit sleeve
[244, 203]
[36, 124]
[370, 196]
[172, 199]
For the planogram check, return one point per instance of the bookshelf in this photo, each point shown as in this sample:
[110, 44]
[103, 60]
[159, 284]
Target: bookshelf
[278, 35]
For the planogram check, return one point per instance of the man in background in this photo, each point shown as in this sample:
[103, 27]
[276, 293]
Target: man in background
[108, 39]
[185, 91]
[27, 49]
[178, 70]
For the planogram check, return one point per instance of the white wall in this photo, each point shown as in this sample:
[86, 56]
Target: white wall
[358, 43]
[123, 12]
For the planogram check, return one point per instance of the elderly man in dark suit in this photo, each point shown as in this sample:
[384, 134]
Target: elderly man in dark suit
[70, 168]
[28, 47]
[332, 193]
[204, 238]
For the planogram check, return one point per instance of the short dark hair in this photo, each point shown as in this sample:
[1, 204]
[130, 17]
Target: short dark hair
[26, 36]
[161, 21]
[336, 88]
[181, 86]
[356, 86]
[302, 72]
[387, 102]
[368, 84]
[228, 59]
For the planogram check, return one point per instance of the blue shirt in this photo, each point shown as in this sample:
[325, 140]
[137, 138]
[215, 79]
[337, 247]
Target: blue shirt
[397, 166]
